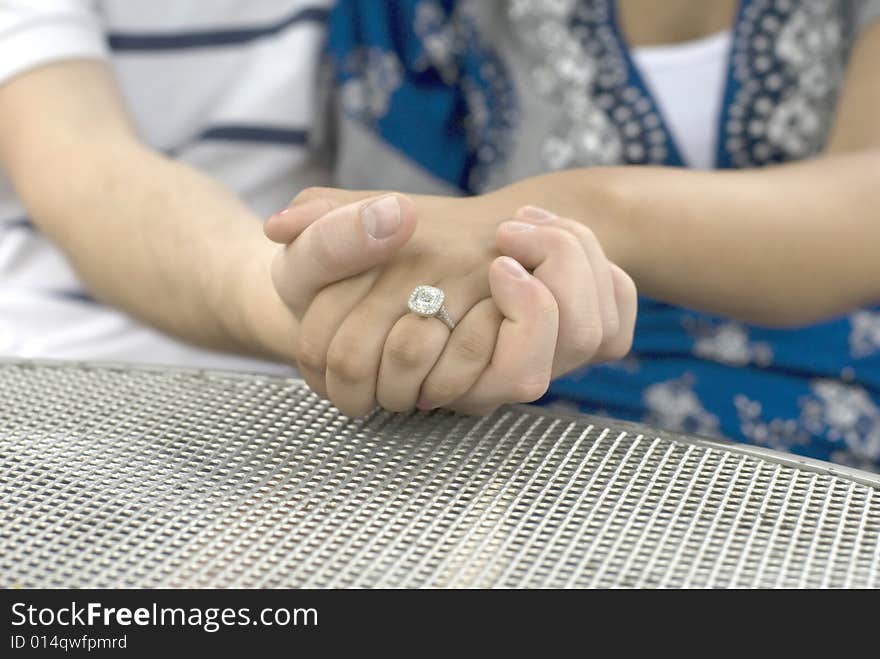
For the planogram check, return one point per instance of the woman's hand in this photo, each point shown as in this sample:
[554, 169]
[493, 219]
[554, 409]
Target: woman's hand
[358, 346]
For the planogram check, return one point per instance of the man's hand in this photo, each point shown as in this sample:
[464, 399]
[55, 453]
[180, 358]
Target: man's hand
[358, 345]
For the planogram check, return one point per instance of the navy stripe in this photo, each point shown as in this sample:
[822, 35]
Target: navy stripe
[18, 223]
[76, 296]
[210, 38]
[264, 134]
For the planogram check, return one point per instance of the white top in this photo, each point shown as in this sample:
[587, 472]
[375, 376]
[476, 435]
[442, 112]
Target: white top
[227, 86]
[687, 81]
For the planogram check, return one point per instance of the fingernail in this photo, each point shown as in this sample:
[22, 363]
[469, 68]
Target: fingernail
[280, 213]
[381, 217]
[513, 225]
[536, 214]
[513, 267]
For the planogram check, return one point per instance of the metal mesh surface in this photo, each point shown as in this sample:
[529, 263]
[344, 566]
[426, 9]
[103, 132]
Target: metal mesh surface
[114, 477]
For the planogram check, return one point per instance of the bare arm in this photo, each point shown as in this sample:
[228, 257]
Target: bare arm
[147, 234]
[780, 246]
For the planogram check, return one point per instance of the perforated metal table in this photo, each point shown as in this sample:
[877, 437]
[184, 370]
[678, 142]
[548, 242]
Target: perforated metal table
[121, 477]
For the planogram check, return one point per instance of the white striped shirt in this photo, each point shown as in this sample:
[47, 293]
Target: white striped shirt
[227, 86]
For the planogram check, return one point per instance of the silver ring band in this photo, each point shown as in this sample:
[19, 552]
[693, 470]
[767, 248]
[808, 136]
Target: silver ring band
[428, 301]
[443, 314]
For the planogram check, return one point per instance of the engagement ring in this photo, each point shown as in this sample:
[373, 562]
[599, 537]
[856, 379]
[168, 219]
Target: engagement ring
[428, 301]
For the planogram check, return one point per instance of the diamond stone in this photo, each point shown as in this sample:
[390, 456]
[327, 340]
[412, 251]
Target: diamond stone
[426, 300]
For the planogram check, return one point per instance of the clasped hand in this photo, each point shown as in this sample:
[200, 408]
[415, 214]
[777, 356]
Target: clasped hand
[533, 297]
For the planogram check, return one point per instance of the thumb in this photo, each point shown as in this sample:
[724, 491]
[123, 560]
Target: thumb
[347, 241]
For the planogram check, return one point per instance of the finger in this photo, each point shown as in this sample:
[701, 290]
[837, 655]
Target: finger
[322, 321]
[522, 362]
[595, 254]
[559, 260]
[601, 273]
[465, 356]
[286, 225]
[409, 354]
[415, 343]
[308, 206]
[345, 242]
[627, 305]
[355, 351]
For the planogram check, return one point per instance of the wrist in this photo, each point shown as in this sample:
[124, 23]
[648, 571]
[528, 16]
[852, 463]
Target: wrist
[610, 200]
[261, 324]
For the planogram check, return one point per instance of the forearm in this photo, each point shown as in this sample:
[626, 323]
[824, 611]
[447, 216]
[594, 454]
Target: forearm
[163, 242]
[779, 246]
[147, 234]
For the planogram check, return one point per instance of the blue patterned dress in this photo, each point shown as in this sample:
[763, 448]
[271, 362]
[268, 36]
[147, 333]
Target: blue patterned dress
[464, 96]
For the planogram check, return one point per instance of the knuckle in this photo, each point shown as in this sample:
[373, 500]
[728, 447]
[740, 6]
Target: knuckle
[586, 233]
[345, 363]
[565, 240]
[472, 347]
[586, 340]
[310, 353]
[582, 232]
[405, 350]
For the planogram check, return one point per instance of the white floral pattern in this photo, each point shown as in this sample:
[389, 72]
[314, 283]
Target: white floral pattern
[674, 405]
[846, 414]
[728, 343]
[568, 68]
[377, 74]
[864, 338]
[488, 94]
[839, 413]
[473, 84]
[441, 40]
[788, 60]
[809, 44]
[779, 434]
[788, 63]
